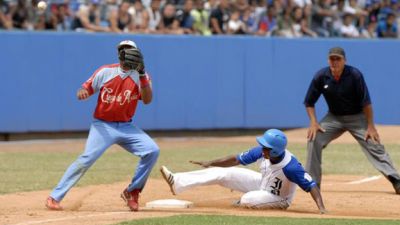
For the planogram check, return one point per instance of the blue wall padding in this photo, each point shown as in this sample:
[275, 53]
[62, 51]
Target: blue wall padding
[198, 82]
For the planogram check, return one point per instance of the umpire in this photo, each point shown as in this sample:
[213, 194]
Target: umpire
[350, 109]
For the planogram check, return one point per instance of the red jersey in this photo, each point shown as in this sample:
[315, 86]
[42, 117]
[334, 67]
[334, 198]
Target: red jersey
[119, 93]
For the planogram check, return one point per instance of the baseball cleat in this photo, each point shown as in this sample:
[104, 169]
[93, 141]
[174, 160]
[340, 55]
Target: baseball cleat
[52, 204]
[236, 203]
[168, 177]
[131, 199]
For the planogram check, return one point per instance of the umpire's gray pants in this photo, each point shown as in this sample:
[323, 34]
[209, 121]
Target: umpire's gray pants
[357, 126]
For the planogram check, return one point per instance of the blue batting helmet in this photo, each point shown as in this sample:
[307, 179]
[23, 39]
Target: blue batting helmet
[275, 140]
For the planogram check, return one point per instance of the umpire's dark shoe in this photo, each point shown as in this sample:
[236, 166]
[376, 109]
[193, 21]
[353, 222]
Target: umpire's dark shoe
[396, 186]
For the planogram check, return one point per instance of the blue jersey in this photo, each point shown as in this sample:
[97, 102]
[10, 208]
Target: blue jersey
[281, 178]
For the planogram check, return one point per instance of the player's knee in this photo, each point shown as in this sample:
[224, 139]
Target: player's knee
[263, 200]
[84, 161]
[249, 201]
[154, 151]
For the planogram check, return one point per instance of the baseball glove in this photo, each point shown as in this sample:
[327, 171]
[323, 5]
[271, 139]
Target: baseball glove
[133, 59]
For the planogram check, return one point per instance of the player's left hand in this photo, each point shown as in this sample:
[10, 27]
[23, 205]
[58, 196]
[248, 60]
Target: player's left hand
[200, 163]
[372, 134]
[133, 58]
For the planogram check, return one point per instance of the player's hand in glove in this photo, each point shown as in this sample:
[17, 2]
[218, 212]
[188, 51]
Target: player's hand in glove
[133, 59]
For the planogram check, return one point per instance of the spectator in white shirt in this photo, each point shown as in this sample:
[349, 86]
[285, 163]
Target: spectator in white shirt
[348, 30]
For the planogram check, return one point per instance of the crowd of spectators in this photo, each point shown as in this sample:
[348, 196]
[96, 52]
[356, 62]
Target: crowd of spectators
[285, 18]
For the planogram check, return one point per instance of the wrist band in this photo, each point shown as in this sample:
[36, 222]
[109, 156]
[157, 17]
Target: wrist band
[144, 81]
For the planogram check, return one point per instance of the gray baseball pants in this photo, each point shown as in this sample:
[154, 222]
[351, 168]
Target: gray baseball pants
[357, 126]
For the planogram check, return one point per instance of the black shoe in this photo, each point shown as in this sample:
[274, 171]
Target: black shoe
[395, 182]
[396, 186]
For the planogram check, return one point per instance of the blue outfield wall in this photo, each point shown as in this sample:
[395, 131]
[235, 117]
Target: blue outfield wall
[199, 82]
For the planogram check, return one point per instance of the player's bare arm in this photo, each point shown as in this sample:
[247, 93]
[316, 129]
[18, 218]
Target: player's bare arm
[316, 195]
[227, 161]
[147, 93]
[314, 125]
[371, 132]
[82, 94]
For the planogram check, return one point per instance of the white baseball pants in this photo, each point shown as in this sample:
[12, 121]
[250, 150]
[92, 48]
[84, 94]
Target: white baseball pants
[234, 178]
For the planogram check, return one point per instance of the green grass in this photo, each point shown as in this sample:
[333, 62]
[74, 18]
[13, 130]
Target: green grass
[242, 220]
[347, 158]
[29, 171]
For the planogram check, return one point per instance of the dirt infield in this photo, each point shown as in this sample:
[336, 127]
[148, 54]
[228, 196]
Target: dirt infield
[101, 204]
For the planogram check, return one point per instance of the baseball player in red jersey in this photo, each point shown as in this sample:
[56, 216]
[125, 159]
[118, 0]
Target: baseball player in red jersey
[120, 87]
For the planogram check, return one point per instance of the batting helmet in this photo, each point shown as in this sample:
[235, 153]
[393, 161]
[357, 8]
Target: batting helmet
[275, 140]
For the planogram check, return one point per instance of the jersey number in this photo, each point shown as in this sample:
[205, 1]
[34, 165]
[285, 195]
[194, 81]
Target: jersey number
[276, 188]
